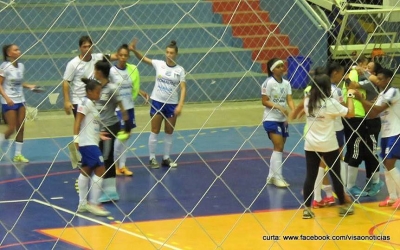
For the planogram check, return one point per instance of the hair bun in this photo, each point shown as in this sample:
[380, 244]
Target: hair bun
[173, 43]
[85, 80]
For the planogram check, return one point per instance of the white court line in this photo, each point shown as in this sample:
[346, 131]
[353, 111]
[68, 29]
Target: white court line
[104, 224]
[13, 201]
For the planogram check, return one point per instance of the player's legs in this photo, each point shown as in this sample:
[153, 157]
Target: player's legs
[19, 141]
[374, 184]
[277, 133]
[120, 148]
[321, 176]
[169, 127]
[156, 121]
[354, 130]
[312, 161]
[107, 148]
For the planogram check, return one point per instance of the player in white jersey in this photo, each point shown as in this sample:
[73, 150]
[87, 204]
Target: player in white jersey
[12, 97]
[79, 67]
[87, 128]
[276, 96]
[126, 77]
[387, 107]
[166, 104]
[320, 140]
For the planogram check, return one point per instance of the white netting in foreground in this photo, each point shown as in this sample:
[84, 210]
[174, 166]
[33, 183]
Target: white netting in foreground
[224, 45]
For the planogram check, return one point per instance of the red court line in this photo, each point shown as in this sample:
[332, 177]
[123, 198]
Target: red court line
[27, 243]
[137, 166]
[372, 229]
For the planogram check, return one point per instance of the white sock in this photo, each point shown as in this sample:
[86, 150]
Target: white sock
[18, 147]
[343, 172]
[2, 138]
[328, 190]
[152, 145]
[352, 176]
[119, 148]
[167, 145]
[83, 185]
[390, 186]
[396, 180]
[375, 177]
[95, 191]
[318, 184]
[275, 165]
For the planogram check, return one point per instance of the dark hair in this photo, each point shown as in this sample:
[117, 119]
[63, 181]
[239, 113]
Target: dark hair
[387, 73]
[320, 71]
[333, 66]
[104, 67]
[5, 50]
[123, 46]
[269, 65]
[85, 39]
[90, 84]
[320, 89]
[377, 67]
[362, 59]
[172, 45]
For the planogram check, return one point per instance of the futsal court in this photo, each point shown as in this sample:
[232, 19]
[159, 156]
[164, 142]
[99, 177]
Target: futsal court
[215, 199]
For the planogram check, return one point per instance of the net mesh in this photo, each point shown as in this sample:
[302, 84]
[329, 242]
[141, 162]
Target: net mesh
[224, 47]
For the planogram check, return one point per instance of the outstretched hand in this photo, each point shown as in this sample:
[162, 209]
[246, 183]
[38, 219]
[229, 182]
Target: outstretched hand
[132, 45]
[104, 135]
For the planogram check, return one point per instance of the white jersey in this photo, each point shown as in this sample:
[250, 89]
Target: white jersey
[320, 134]
[89, 133]
[336, 93]
[122, 79]
[75, 71]
[277, 92]
[391, 116]
[167, 82]
[13, 78]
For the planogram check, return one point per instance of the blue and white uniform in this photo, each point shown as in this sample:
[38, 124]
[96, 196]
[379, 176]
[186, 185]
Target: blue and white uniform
[89, 134]
[165, 92]
[75, 71]
[13, 78]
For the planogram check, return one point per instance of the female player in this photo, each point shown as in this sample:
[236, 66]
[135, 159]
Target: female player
[107, 104]
[276, 96]
[320, 140]
[87, 128]
[12, 98]
[126, 77]
[166, 105]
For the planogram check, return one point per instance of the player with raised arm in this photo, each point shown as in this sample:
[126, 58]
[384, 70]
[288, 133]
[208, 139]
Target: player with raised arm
[166, 105]
[276, 97]
[126, 77]
[12, 98]
[87, 128]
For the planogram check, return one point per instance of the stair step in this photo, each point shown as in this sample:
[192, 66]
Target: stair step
[235, 5]
[245, 17]
[254, 29]
[265, 41]
[278, 52]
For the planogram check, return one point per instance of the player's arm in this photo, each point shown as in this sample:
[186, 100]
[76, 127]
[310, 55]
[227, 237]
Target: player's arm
[113, 57]
[144, 95]
[371, 108]
[269, 104]
[139, 56]
[67, 101]
[28, 86]
[178, 109]
[77, 127]
[3, 93]
[298, 111]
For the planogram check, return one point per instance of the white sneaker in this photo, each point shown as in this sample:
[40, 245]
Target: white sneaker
[280, 182]
[82, 208]
[270, 180]
[97, 210]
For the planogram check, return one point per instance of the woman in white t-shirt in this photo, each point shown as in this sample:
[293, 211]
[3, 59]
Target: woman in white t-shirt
[12, 98]
[87, 128]
[166, 105]
[276, 97]
[321, 142]
[126, 76]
